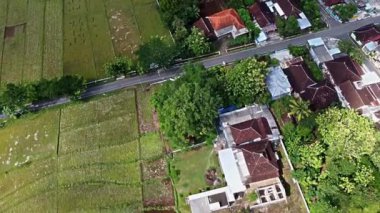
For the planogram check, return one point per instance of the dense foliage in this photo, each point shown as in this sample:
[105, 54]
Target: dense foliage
[245, 82]
[15, 98]
[188, 106]
[185, 10]
[157, 52]
[346, 11]
[238, 4]
[197, 43]
[350, 49]
[332, 153]
[120, 66]
[288, 27]
[253, 30]
[311, 9]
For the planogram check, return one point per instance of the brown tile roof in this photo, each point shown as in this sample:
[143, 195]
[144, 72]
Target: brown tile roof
[250, 130]
[262, 14]
[320, 95]
[298, 75]
[367, 34]
[333, 2]
[205, 26]
[261, 161]
[225, 19]
[344, 69]
[289, 8]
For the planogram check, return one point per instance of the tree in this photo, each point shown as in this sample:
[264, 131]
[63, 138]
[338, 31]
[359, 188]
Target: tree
[364, 175]
[311, 9]
[188, 106]
[350, 49]
[197, 42]
[180, 31]
[119, 66]
[155, 53]
[254, 31]
[312, 155]
[188, 113]
[185, 10]
[292, 27]
[347, 134]
[14, 99]
[245, 82]
[346, 11]
[299, 109]
[288, 27]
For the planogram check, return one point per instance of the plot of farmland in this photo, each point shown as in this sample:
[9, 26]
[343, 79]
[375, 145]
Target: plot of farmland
[84, 157]
[50, 38]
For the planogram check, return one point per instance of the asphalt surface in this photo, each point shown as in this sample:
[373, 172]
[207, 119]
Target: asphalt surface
[337, 31]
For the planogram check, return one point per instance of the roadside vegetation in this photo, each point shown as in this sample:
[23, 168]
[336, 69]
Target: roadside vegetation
[16, 99]
[345, 11]
[187, 107]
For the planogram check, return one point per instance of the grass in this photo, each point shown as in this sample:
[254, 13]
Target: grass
[192, 175]
[83, 157]
[151, 146]
[145, 108]
[72, 37]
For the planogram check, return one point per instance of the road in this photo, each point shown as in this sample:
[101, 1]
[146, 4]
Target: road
[337, 31]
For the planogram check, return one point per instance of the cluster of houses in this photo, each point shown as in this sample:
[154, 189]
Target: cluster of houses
[263, 13]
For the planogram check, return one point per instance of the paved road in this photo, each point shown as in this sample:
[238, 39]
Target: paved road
[339, 31]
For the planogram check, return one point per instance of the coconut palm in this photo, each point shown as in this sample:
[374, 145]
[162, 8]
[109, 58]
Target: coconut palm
[299, 109]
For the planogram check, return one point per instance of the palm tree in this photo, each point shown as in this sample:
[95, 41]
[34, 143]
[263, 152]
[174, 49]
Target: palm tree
[299, 109]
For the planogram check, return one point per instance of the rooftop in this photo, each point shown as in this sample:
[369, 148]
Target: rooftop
[226, 18]
[277, 82]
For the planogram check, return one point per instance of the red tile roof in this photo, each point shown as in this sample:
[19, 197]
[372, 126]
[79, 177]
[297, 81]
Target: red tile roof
[289, 8]
[344, 69]
[367, 34]
[330, 3]
[250, 130]
[298, 75]
[261, 14]
[226, 18]
[261, 161]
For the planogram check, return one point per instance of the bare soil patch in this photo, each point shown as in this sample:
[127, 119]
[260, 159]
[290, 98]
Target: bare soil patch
[10, 31]
[154, 169]
[123, 30]
[158, 193]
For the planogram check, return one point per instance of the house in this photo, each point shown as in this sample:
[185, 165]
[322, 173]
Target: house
[226, 22]
[254, 165]
[261, 13]
[368, 37]
[320, 52]
[320, 94]
[249, 166]
[277, 83]
[330, 3]
[246, 125]
[287, 8]
[357, 88]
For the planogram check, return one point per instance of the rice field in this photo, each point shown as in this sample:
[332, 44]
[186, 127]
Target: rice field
[51, 38]
[84, 157]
